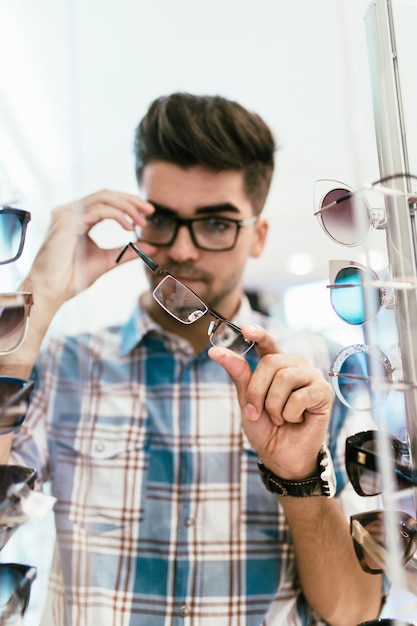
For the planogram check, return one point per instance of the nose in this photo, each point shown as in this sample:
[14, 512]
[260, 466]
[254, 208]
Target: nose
[183, 248]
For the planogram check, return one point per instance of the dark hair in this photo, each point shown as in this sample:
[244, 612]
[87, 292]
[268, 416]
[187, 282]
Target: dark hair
[209, 131]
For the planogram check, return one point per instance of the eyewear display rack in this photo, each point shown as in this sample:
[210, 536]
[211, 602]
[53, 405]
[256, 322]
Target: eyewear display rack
[401, 236]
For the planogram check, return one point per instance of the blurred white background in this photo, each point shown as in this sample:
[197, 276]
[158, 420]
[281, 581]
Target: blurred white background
[76, 76]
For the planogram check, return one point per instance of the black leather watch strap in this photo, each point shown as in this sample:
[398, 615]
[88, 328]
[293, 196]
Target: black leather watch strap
[322, 484]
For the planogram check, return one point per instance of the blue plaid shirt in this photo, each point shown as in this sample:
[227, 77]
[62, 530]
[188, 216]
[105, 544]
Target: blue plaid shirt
[161, 515]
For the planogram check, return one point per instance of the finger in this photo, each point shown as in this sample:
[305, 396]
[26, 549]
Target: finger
[297, 393]
[265, 344]
[236, 366]
[127, 205]
[272, 382]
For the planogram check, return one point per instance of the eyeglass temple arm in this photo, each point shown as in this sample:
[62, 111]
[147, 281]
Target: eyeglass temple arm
[145, 258]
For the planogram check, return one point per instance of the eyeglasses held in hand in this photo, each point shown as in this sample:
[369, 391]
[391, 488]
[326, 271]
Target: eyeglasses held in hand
[15, 585]
[346, 216]
[14, 319]
[375, 523]
[14, 402]
[357, 294]
[363, 460]
[214, 233]
[13, 479]
[13, 224]
[184, 305]
[362, 377]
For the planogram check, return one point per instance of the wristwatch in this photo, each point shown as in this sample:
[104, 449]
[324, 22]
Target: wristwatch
[322, 484]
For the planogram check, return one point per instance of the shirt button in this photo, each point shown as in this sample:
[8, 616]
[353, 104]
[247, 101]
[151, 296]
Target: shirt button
[99, 446]
[184, 611]
[188, 521]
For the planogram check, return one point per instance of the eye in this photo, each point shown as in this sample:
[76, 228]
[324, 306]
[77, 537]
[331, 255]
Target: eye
[160, 220]
[218, 224]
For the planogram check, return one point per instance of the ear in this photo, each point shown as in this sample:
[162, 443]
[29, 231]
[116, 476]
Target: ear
[259, 239]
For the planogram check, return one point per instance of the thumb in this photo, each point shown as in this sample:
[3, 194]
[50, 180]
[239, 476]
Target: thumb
[236, 366]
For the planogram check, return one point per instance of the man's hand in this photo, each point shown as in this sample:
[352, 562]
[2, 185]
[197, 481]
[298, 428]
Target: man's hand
[285, 403]
[69, 260]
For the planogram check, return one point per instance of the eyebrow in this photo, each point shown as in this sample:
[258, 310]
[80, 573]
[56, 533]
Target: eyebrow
[222, 207]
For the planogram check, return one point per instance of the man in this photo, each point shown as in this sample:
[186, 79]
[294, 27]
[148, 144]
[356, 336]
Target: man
[161, 514]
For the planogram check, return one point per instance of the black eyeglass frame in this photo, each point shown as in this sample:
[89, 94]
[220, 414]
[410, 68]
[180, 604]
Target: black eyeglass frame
[214, 324]
[357, 457]
[188, 222]
[24, 218]
[407, 527]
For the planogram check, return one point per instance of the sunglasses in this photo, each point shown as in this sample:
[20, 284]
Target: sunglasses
[357, 294]
[363, 458]
[346, 215]
[15, 585]
[386, 621]
[14, 319]
[14, 481]
[14, 402]
[185, 306]
[13, 224]
[369, 534]
[362, 377]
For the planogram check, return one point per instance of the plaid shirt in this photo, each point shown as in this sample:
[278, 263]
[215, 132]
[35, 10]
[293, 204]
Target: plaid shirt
[161, 515]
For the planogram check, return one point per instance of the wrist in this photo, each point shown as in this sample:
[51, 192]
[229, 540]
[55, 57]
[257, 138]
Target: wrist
[321, 483]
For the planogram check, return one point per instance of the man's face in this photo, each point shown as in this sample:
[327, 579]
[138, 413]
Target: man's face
[197, 192]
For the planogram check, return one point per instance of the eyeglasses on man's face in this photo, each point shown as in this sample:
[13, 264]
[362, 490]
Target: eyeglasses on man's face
[184, 305]
[364, 458]
[213, 233]
[13, 224]
[346, 215]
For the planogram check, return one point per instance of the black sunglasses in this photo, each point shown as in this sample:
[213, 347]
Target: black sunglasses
[14, 402]
[15, 585]
[13, 224]
[363, 459]
[387, 621]
[184, 305]
[15, 480]
[370, 538]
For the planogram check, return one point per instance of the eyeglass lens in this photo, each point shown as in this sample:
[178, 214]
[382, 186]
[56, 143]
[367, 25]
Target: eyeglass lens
[11, 514]
[208, 233]
[340, 220]
[14, 400]
[12, 233]
[14, 311]
[15, 584]
[363, 462]
[179, 301]
[361, 381]
[375, 523]
[354, 303]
